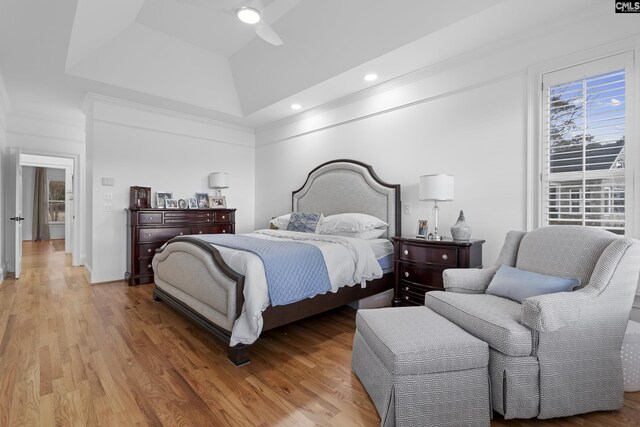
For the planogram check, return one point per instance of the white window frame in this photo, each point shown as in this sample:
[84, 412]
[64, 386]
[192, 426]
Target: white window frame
[49, 181]
[629, 51]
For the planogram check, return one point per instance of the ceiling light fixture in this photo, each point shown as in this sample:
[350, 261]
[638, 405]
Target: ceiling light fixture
[296, 106]
[248, 15]
[370, 77]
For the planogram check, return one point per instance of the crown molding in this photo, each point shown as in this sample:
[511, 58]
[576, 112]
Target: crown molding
[93, 97]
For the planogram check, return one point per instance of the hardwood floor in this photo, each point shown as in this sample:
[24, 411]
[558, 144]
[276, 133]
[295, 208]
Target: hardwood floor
[76, 354]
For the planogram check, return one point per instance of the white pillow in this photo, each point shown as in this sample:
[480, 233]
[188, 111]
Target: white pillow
[364, 235]
[281, 221]
[350, 222]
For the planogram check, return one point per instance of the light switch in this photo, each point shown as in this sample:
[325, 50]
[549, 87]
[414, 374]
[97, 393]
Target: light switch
[108, 180]
[407, 208]
[108, 207]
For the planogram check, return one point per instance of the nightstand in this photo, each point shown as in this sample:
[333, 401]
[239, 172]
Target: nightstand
[419, 264]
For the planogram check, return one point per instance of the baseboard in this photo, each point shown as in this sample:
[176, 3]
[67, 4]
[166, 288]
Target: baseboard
[1, 274]
[87, 273]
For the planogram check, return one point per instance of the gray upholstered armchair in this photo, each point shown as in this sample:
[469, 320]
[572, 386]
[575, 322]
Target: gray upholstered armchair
[557, 354]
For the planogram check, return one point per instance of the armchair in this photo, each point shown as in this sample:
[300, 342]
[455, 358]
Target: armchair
[557, 354]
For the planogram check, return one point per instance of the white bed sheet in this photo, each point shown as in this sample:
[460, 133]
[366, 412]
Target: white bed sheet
[349, 261]
[381, 247]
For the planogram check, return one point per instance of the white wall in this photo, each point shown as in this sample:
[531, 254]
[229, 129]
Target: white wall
[138, 145]
[56, 231]
[48, 136]
[466, 116]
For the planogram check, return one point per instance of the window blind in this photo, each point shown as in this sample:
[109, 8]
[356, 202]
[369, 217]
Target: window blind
[583, 153]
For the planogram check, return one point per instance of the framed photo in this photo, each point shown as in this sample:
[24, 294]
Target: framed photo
[217, 202]
[423, 228]
[202, 199]
[192, 202]
[171, 203]
[161, 197]
[182, 204]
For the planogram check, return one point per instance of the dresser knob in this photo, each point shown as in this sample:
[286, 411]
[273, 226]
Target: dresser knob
[208, 214]
[149, 250]
[200, 232]
[406, 297]
[207, 220]
[149, 234]
[406, 252]
[406, 274]
[181, 233]
[224, 231]
[150, 217]
[148, 265]
[223, 216]
[445, 257]
[406, 288]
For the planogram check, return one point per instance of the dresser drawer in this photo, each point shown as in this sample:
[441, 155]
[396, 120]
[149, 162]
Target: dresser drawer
[411, 298]
[148, 250]
[161, 234]
[149, 218]
[183, 217]
[211, 229]
[429, 254]
[144, 266]
[423, 276]
[224, 216]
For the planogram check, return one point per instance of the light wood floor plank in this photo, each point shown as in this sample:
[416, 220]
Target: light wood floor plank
[108, 355]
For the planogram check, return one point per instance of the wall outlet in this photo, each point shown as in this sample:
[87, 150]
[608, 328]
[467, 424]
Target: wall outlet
[407, 208]
[108, 196]
[108, 207]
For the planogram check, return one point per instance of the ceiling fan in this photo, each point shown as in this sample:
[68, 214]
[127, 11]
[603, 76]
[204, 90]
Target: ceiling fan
[249, 12]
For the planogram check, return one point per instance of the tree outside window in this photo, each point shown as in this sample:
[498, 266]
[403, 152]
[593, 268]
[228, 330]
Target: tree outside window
[56, 201]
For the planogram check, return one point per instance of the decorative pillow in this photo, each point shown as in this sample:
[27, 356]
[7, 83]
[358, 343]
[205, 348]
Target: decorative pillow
[350, 222]
[304, 222]
[517, 285]
[364, 235]
[281, 221]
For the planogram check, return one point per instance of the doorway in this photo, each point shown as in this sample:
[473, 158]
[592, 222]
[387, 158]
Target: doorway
[56, 208]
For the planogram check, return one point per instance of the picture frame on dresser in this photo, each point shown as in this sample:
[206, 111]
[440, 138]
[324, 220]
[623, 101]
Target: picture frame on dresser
[161, 197]
[202, 200]
[192, 203]
[182, 204]
[423, 229]
[171, 203]
[217, 202]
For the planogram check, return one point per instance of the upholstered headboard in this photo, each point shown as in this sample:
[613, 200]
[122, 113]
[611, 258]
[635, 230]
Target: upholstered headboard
[341, 186]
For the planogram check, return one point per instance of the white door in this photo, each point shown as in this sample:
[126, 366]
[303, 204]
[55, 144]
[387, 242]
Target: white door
[15, 162]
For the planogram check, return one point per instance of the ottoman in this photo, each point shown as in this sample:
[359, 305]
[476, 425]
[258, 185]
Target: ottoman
[420, 369]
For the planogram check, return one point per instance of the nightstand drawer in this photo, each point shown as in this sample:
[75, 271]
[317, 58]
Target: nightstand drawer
[149, 218]
[411, 298]
[424, 276]
[161, 234]
[429, 254]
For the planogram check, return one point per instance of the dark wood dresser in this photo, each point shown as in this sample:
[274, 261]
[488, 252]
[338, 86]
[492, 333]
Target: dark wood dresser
[419, 264]
[148, 229]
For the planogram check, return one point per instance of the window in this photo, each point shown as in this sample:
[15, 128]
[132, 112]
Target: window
[584, 144]
[56, 201]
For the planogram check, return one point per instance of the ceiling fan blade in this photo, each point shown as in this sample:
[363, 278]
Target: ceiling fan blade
[266, 33]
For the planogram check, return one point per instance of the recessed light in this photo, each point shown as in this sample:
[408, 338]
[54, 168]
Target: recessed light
[296, 106]
[370, 77]
[248, 15]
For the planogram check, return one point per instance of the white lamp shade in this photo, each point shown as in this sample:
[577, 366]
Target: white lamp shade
[436, 187]
[219, 180]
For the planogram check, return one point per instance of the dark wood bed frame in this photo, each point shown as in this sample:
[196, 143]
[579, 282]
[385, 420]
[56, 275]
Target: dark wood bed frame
[274, 317]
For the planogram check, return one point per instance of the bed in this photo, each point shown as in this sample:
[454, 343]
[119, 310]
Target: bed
[192, 276]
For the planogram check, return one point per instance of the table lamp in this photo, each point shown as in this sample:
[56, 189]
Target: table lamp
[219, 180]
[439, 188]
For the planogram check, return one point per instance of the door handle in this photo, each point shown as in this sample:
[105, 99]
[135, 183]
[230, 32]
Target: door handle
[17, 218]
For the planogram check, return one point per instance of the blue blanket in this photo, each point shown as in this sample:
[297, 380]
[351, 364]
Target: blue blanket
[294, 270]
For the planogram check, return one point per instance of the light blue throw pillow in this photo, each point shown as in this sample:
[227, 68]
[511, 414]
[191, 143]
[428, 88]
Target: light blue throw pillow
[517, 285]
[304, 222]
